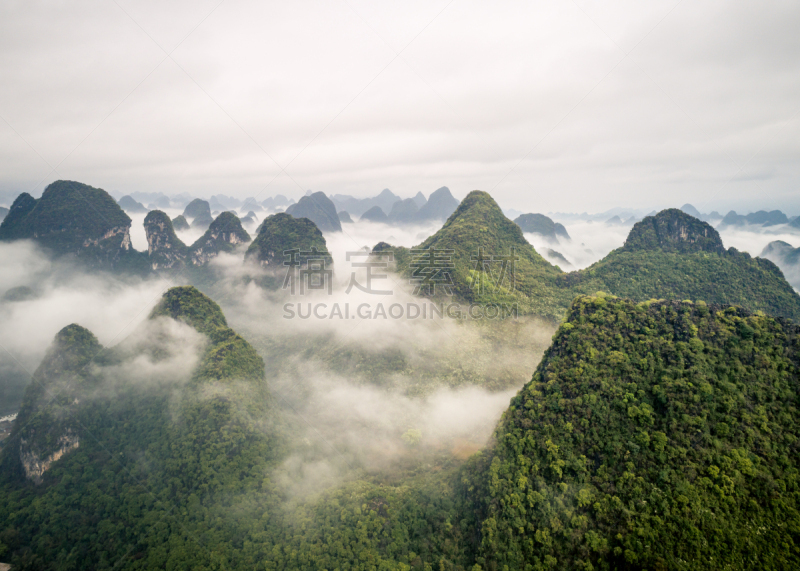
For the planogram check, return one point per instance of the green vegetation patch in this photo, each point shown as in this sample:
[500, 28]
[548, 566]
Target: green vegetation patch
[659, 435]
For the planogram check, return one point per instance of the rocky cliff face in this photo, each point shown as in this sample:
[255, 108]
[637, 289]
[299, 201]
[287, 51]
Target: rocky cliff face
[164, 249]
[223, 235]
[118, 234]
[48, 426]
[35, 466]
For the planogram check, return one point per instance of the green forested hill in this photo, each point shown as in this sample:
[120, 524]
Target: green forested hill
[667, 256]
[153, 460]
[482, 241]
[78, 219]
[674, 256]
[657, 435]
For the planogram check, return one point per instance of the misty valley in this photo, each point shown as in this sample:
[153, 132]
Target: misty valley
[420, 383]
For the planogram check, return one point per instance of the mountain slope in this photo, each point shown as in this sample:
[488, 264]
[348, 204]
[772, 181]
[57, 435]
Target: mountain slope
[403, 212]
[47, 426]
[787, 259]
[374, 214]
[652, 436]
[128, 204]
[480, 242]
[197, 208]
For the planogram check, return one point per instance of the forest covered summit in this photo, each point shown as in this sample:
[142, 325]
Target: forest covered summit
[282, 232]
[673, 230]
[73, 218]
[656, 435]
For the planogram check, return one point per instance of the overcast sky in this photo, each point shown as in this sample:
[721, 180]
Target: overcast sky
[549, 106]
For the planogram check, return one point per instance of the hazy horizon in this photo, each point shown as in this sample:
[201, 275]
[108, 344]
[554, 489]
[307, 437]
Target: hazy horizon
[576, 107]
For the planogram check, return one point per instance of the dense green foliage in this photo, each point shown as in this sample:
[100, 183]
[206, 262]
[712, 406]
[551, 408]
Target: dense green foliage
[186, 476]
[653, 435]
[151, 459]
[481, 237]
[662, 435]
[47, 415]
[731, 278]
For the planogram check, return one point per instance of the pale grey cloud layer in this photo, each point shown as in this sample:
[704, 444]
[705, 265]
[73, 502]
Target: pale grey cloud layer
[557, 106]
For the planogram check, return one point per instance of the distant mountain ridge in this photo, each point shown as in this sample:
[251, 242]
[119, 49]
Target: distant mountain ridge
[441, 204]
[787, 258]
[318, 208]
[418, 209]
[358, 206]
[760, 218]
[543, 226]
[128, 204]
[375, 214]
